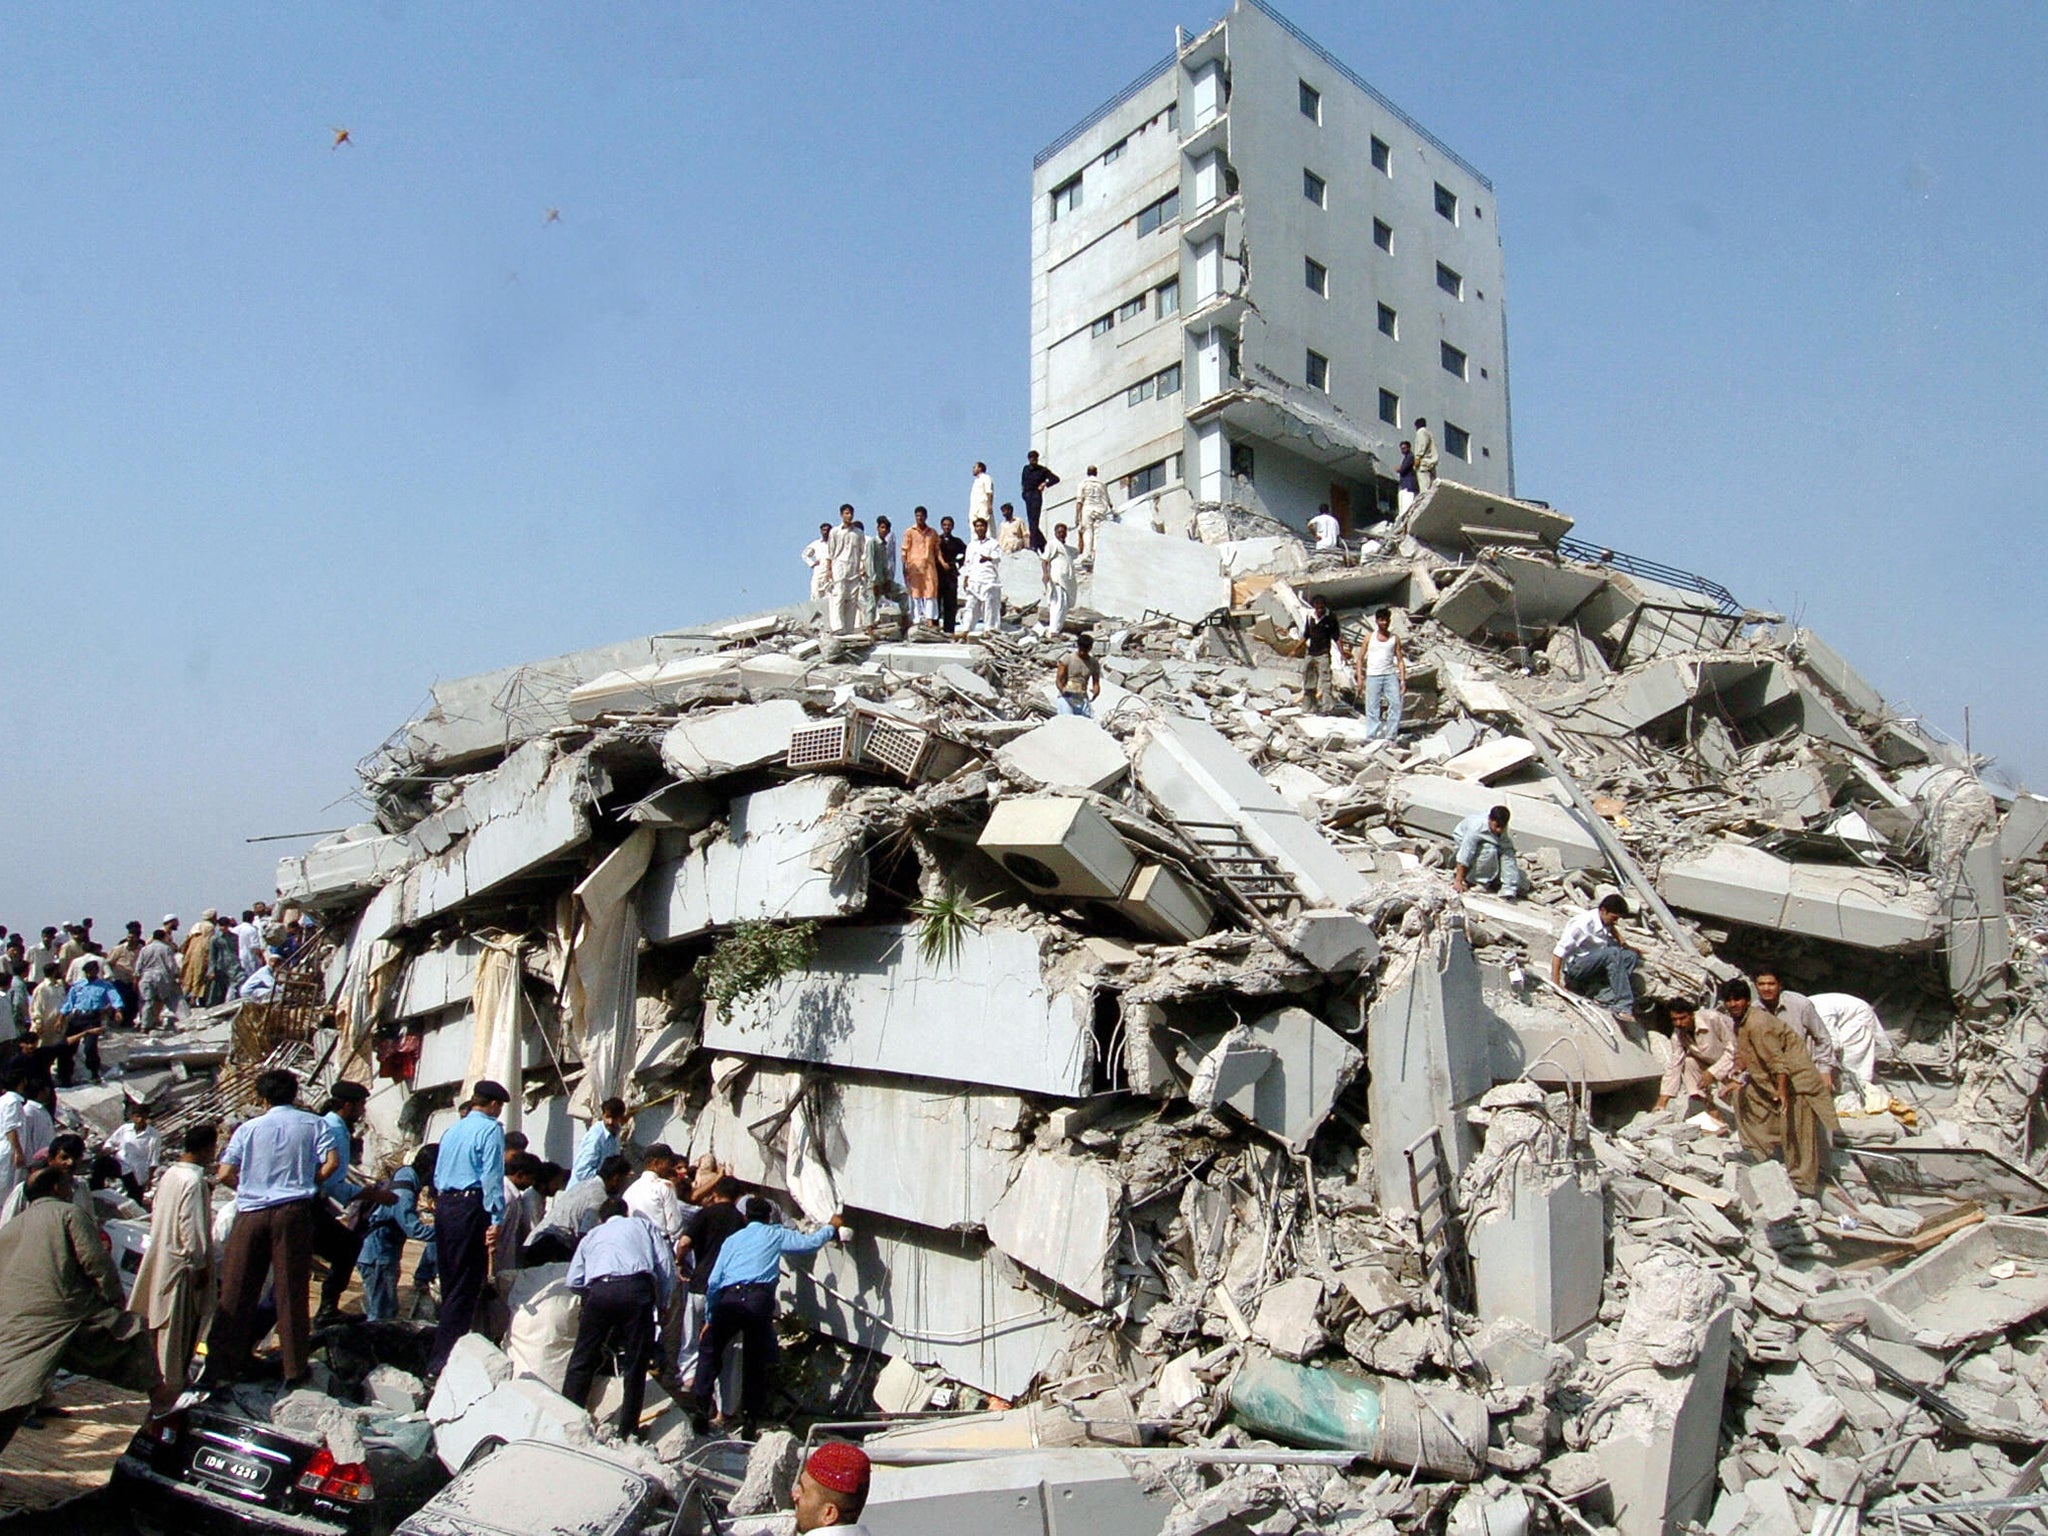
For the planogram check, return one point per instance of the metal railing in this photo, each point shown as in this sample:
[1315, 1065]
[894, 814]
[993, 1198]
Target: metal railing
[1649, 570]
[1038, 160]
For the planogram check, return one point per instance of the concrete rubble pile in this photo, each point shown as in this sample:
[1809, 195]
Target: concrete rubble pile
[1132, 1046]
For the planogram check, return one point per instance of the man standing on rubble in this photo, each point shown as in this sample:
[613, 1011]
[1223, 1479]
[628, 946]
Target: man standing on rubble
[846, 565]
[1405, 488]
[1702, 1058]
[1425, 455]
[952, 556]
[741, 1299]
[818, 556]
[1012, 537]
[1485, 856]
[921, 568]
[1078, 679]
[174, 1288]
[1037, 480]
[338, 1238]
[90, 1007]
[626, 1275]
[1784, 1108]
[984, 581]
[1324, 530]
[469, 1202]
[1382, 676]
[1321, 634]
[981, 496]
[1060, 586]
[1091, 510]
[1796, 1009]
[882, 568]
[121, 972]
[600, 1142]
[156, 976]
[1592, 960]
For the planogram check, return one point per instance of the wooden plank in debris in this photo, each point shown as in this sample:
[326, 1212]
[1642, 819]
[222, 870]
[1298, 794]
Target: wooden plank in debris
[1891, 1250]
[1699, 1189]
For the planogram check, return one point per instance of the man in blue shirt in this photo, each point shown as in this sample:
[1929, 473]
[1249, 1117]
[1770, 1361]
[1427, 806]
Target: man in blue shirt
[337, 1238]
[741, 1295]
[1485, 855]
[625, 1276]
[599, 1142]
[91, 1004]
[384, 1238]
[469, 1202]
[274, 1163]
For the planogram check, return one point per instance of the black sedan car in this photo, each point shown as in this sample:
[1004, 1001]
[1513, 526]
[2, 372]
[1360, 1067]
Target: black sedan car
[212, 1468]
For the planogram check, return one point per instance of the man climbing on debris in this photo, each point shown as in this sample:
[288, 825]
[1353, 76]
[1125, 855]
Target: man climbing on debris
[846, 561]
[1058, 566]
[1382, 676]
[156, 976]
[1078, 679]
[469, 1202]
[1036, 480]
[1702, 1058]
[1425, 455]
[704, 1234]
[652, 1196]
[984, 581]
[921, 568]
[832, 1488]
[1323, 529]
[1091, 510]
[574, 1212]
[1593, 960]
[1406, 488]
[1485, 856]
[601, 1141]
[625, 1274]
[740, 1296]
[952, 556]
[1322, 633]
[1796, 1009]
[1783, 1106]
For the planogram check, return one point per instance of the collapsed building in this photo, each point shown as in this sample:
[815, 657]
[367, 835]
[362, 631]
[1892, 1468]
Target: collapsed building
[1174, 1095]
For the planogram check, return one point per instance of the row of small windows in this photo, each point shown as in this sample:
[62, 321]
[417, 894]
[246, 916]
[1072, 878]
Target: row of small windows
[1066, 197]
[1383, 155]
[1316, 371]
[1162, 384]
[1317, 276]
[1152, 477]
[1165, 300]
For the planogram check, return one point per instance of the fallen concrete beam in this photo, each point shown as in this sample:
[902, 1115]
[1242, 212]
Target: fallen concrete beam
[1491, 760]
[1294, 1066]
[1139, 572]
[1046, 1493]
[1430, 1045]
[1061, 1219]
[1197, 775]
[916, 659]
[732, 740]
[784, 855]
[2025, 830]
[1426, 803]
[655, 685]
[1740, 884]
[1540, 1257]
[1827, 667]
[873, 1001]
[344, 867]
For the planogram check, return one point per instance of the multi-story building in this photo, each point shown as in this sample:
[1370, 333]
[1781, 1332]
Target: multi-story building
[1250, 274]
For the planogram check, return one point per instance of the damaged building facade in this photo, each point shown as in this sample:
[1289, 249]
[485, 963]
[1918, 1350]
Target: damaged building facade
[1250, 273]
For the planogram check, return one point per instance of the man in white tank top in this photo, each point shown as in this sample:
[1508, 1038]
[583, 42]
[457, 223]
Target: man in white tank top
[1382, 674]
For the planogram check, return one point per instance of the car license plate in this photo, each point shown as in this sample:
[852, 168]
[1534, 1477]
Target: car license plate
[238, 1472]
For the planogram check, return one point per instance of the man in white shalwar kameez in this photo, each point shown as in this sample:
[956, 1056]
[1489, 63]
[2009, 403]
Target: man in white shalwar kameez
[176, 1286]
[847, 572]
[981, 497]
[1058, 561]
[817, 555]
[984, 581]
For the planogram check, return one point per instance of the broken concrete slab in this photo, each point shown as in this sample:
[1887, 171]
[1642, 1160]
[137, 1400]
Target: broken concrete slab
[1282, 1072]
[1138, 572]
[1067, 752]
[784, 855]
[519, 1409]
[1987, 1279]
[1044, 1492]
[344, 867]
[1540, 1256]
[2024, 831]
[925, 658]
[1491, 761]
[1061, 1218]
[1334, 942]
[1462, 518]
[1426, 803]
[1059, 846]
[721, 741]
[872, 1000]
[1286, 1319]
[653, 686]
[1470, 603]
[1738, 883]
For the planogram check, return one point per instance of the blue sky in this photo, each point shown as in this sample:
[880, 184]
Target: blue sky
[288, 432]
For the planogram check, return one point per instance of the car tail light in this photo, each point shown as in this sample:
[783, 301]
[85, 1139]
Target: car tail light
[165, 1431]
[332, 1479]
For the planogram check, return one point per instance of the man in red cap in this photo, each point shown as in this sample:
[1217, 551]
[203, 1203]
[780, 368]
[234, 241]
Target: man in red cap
[833, 1486]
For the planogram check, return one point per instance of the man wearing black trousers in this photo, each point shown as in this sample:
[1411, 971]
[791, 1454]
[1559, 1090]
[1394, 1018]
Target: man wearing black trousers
[741, 1295]
[625, 1276]
[469, 1202]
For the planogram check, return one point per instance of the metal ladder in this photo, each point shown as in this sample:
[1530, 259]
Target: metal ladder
[1444, 1259]
[1255, 884]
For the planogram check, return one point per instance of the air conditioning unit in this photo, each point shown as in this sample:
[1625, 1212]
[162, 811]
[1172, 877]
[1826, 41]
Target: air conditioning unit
[1059, 847]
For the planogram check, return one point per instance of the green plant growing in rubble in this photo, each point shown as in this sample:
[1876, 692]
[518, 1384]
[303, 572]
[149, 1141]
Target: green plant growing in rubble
[943, 922]
[752, 958]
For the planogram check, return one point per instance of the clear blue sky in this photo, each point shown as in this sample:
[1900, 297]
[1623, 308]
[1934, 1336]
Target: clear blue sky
[288, 432]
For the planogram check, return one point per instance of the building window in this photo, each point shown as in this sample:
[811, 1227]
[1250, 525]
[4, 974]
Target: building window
[1457, 442]
[1450, 281]
[1169, 297]
[1066, 197]
[1316, 275]
[1390, 323]
[1242, 461]
[1390, 408]
[1138, 392]
[1382, 157]
[1383, 235]
[1454, 360]
[1173, 118]
[1318, 371]
[1115, 151]
[1314, 188]
[1169, 381]
[1311, 103]
[1102, 325]
[1151, 478]
[1152, 215]
[1447, 202]
[1130, 309]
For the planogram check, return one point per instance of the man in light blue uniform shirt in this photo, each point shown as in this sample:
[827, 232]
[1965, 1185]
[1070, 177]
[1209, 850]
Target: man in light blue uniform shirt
[741, 1301]
[625, 1275]
[1485, 855]
[599, 1142]
[334, 1240]
[469, 1202]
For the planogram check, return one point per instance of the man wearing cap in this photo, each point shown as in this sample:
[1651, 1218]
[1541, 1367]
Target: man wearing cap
[741, 1301]
[832, 1488]
[274, 1164]
[1485, 855]
[89, 1007]
[469, 1202]
[626, 1275]
[156, 976]
[1592, 959]
[338, 1238]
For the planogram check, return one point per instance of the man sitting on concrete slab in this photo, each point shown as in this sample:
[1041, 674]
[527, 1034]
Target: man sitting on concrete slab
[1798, 1011]
[1593, 960]
[1702, 1058]
[1783, 1106]
[1485, 856]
